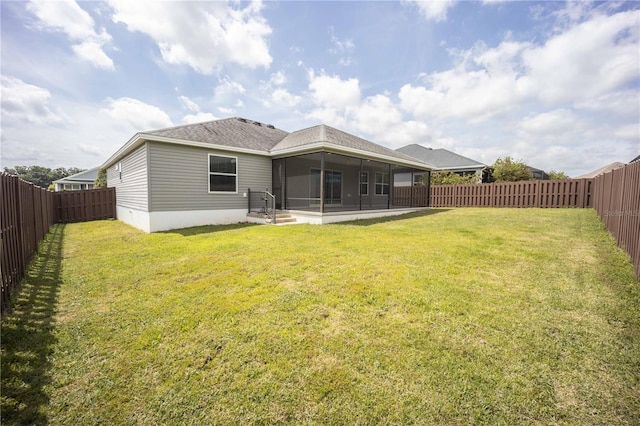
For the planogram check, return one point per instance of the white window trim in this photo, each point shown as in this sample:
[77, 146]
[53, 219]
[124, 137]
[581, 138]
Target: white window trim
[375, 185]
[360, 183]
[209, 173]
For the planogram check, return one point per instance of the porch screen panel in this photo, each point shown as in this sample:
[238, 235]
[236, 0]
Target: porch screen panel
[301, 183]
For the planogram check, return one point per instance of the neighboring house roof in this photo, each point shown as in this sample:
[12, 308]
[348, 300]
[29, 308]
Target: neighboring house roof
[601, 170]
[242, 135]
[440, 158]
[635, 159]
[88, 176]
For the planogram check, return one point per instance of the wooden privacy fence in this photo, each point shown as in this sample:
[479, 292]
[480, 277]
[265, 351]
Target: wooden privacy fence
[411, 196]
[82, 206]
[617, 201]
[29, 211]
[535, 193]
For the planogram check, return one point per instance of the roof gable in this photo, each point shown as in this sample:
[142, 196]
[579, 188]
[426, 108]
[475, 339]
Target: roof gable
[440, 158]
[327, 135]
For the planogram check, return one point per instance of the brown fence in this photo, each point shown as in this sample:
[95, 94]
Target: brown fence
[535, 193]
[617, 201]
[411, 196]
[81, 206]
[27, 214]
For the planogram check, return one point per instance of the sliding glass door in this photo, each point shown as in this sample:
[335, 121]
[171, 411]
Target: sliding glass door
[332, 187]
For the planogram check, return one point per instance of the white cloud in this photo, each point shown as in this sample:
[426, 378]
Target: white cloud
[281, 96]
[227, 94]
[557, 123]
[278, 78]
[203, 35]
[198, 117]
[91, 150]
[629, 132]
[343, 48]
[226, 110]
[432, 10]
[91, 51]
[139, 115]
[586, 61]
[333, 92]
[228, 87]
[339, 103]
[189, 104]
[67, 17]
[619, 103]
[27, 102]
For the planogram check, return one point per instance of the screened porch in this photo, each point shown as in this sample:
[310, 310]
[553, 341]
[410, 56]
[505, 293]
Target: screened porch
[327, 182]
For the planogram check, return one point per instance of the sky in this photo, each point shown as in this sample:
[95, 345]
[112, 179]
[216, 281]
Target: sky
[554, 84]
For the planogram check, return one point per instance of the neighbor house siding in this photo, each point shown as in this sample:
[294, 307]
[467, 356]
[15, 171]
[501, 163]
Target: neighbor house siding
[131, 182]
[180, 178]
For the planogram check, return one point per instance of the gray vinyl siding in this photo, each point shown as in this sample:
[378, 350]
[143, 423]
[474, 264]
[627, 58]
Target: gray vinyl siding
[132, 182]
[180, 178]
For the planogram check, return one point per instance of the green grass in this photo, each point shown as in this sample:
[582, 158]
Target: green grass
[488, 316]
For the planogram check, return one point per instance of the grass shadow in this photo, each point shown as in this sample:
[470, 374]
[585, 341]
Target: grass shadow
[207, 229]
[387, 219]
[27, 336]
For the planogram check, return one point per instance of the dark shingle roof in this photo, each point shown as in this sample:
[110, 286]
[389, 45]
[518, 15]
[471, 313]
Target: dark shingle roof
[330, 135]
[440, 158]
[240, 133]
[235, 132]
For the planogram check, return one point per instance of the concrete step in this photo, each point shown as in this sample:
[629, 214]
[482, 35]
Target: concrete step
[284, 218]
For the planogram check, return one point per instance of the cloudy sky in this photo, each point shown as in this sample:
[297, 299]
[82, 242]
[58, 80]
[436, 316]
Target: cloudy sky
[554, 84]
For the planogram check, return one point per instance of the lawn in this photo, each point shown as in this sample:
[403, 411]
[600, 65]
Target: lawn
[463, 316]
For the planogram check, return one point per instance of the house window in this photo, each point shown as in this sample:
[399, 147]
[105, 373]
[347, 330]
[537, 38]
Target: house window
[223, 174]
[364, 183]
[382, 184]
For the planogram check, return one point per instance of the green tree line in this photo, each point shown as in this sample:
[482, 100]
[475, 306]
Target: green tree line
[41, 176]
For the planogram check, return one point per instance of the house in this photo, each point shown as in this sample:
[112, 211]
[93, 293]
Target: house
[444, 160]
[538, 174]
[208, 173]
[602, 170]
[82, 180]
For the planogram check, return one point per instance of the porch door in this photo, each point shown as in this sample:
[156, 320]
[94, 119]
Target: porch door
[332, 186]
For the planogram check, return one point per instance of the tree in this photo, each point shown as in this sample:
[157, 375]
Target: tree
[449, 178]
[41, 176]
[509, 170]
[553, 175]
[101, 179]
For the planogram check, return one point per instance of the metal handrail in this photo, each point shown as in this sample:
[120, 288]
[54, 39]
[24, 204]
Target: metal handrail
[270, 197]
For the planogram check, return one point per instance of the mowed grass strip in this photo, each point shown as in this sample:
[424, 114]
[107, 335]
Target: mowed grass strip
[494, 316]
